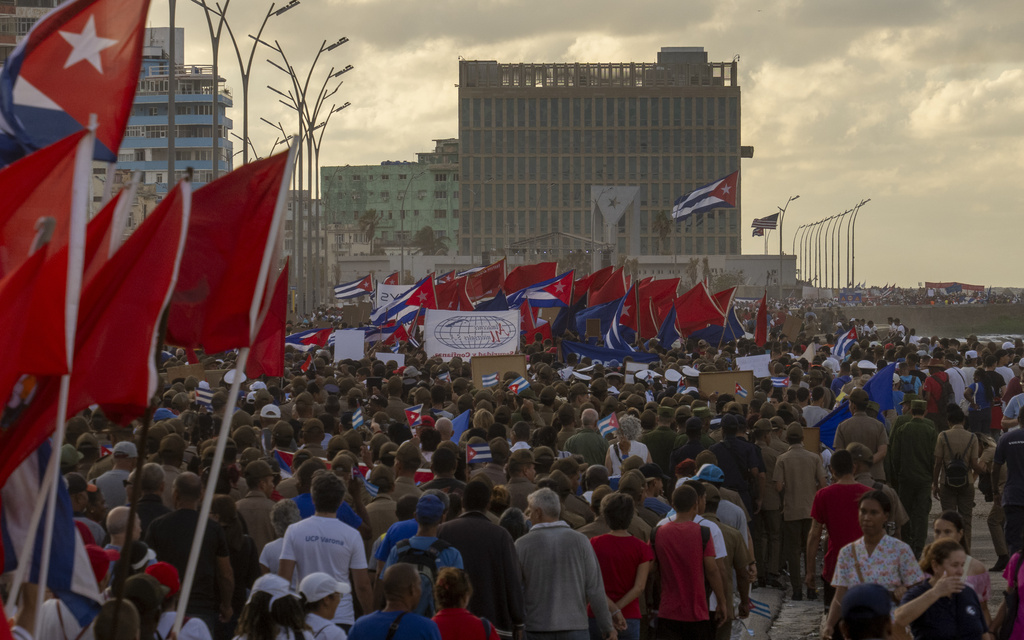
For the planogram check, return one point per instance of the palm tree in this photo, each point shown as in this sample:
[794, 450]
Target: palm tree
[429, 243]
[705, 267]
[662, 226]
[692, 271]
[368, 222]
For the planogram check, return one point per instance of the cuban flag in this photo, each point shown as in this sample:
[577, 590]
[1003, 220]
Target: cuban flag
[70, 575]
[357, 418]
[381, 334]
[311, 339]
[608, 424]
[740, 391]
[445, 278]
[205, 397]
[556, 292]
[844, 343]
[284, 461]
[444, 376]
[478, 453]
[715, 195]
[395, 348]
[414, 415]
[759, 608]
[407, 306]
[371, 488]
[49, 85]
[354, 289]
[780, 382]
[490, 380]
[620, 335]
[519, 385]
[307, 364]
[392, 279]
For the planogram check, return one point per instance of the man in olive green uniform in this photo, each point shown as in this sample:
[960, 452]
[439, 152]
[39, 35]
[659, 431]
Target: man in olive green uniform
[862, 427]
[862, 462]
[661, 440]
[589, 442]
[912, 449]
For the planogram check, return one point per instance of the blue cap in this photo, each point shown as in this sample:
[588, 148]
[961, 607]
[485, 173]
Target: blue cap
[710, 473]
[163, 413]
[429, 509]
[866, 601]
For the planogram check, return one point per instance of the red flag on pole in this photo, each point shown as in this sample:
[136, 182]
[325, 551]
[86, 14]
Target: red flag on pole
[267, 355]
[486, 282]
[761, 329]
[216, 303]
[696, 309]
[613, 288]
[528, 275]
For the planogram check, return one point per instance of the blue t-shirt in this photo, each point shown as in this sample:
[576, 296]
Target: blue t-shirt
[412, 627]
[657, 506]
[956, 617]
[982, 399]
[402, 530]
[449, 557]
[1010, 452]
[345, 513]
[837, 384]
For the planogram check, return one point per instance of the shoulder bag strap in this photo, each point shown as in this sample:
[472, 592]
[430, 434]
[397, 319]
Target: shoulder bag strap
[393, 629]
[856, 561]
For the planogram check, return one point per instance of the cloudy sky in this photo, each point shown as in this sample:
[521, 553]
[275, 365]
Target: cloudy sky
[917, 104]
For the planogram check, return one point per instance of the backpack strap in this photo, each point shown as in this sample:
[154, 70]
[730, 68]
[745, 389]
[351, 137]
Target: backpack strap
[393, 629]
[487, 628]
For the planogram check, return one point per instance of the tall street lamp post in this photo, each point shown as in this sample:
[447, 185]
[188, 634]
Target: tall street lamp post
[782, 214]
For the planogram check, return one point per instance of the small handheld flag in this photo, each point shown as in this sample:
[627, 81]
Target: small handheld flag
[444, 376]
[740, 391]
[490, 380]
[459, 425]
[205, 397]
[649, 396]
[395, 347]
[780, 382]
[844, 343]
[371, 489]
[307, 364]
[414, 415]
[519, 385]
[608, 424]
[476, 453]
[284, 462]
[357, 418]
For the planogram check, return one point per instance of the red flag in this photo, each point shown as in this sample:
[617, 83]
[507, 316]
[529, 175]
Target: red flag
[232, 241]
[761, 329]
[267, 355]
[392, 279]
[104, 234]
[305, 365]
[80, 60]
[450, 295]
[318, 339]
[724, 299]
[118, 330]
[613, 288]
[656, 299]
[528, 275]
[486, 282]
[590, 283]
[696, 310]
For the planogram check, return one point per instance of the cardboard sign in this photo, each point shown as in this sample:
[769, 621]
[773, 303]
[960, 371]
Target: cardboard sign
[483, 365]
[760, 365]
[632, 368]
[214, 376]
[593, 328]
[549, 313]
[356, 315]
[791, 327]
[386, 356]
[349, 344]
[812, 440]
[710, 382]
[185, 371]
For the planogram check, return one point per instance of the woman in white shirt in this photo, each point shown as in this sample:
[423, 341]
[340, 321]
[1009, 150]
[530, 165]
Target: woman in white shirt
[321, 595]
[272, 612]
[626, 444]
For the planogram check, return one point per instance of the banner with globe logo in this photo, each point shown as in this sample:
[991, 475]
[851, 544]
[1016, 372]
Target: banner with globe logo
[464, 334]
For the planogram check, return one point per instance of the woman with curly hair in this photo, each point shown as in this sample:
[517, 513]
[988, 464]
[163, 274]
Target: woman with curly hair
[272, 613]
[451, 594]
[627, 443]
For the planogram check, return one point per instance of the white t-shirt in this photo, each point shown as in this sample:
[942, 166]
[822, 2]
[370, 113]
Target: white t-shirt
[193, 629]
[270, 558]
[327, 545]
[324, 629]
[635, 449]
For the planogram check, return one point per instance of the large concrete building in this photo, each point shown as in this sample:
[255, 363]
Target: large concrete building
[547, 149]
[17, 17]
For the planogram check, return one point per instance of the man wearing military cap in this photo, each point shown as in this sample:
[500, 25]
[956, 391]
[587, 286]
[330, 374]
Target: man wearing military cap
[862, 427]
[912, 459]
[661, 441]
[520, 478]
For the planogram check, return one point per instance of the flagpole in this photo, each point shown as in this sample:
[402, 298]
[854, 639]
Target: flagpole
[211, 484]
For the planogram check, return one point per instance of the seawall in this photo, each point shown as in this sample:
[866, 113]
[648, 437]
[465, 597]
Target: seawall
[947, 320]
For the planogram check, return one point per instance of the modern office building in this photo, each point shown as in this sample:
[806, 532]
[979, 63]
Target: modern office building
[17, 17]
[144, 147]
[541, 143]
[427, 191]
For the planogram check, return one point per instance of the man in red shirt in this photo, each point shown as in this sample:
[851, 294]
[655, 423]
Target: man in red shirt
[685, 558]
[932, 392]
[835, 508]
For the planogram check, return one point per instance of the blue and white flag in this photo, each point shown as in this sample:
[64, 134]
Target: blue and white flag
[407, 306]
[715, 195]
[608, 424]
[844, 343]
[357, 418]
[354, 289]
[556, 292]
[519, 385]
[489, 380]
[205, 397]
[780, 382]
[741, 391]
[619, 336]
[460, 424]
[444, 376]
[606, 356]
[371, 488]
[879, 390]
[476, 453]
[759, 608]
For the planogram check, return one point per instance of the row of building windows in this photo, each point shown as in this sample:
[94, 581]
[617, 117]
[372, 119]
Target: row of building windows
[680, 246]
[180, 109]
[439, 214]
[598, 167]
[669, 141]
[183, 131]
[517, 223]
[438, 177]
[599, 112]
[385, 196]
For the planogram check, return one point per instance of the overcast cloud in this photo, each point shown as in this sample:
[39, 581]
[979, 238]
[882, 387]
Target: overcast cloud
[918, 105]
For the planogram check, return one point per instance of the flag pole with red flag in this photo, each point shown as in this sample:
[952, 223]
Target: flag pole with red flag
[761, 329]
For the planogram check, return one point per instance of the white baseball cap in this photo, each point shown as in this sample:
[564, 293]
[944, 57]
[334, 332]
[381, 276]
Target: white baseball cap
[270, 411]
[317, 586]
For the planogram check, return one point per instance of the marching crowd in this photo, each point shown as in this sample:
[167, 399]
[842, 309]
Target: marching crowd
[497, 513]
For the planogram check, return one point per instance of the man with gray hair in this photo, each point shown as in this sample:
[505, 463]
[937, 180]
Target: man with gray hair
[560, 575]
[117, 526]
[589, 442]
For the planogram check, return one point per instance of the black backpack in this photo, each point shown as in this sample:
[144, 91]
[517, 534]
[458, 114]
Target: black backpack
[957, 472]
[946, 397]
[425, 561]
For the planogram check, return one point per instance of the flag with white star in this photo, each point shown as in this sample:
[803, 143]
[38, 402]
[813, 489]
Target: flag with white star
[715, 195]
[81, 59]
[556, 292]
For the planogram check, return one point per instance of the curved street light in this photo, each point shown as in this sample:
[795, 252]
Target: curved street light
[782, 214]
[851, 242]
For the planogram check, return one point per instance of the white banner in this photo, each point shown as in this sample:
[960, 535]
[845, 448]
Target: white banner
[388, 292]
[348, 344]
[447, 334]
[760, 365]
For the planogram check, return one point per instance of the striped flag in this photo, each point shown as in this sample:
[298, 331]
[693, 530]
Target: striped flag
[476, 453]
[608, 424]
[490, 380]
[284, 461]
[845, 342]
[204, 397]
[740, 391]
[760, 608]
[357, 418]
[371, 488]
[718, 194]
[519, 385]
[444, 376]
[354, 289]
[780, 382]
[769, 222]
[414, 415]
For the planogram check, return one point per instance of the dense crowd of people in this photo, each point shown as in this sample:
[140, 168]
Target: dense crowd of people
[494, 514]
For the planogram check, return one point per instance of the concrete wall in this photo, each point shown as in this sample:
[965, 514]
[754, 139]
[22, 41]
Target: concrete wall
[949, 321]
